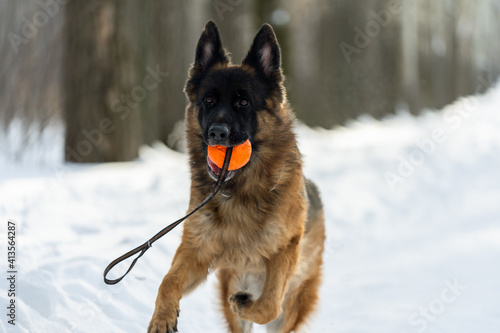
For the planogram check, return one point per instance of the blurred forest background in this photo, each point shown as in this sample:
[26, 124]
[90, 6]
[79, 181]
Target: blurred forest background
[113, 70]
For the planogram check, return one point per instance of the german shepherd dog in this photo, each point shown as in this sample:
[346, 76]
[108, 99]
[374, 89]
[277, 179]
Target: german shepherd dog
[264, 232]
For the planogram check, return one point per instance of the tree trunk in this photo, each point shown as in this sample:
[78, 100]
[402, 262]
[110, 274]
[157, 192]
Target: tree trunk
[174, 58]
[102, 86]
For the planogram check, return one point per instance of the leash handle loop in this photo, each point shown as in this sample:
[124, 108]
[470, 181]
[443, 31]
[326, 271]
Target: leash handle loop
[147, 245]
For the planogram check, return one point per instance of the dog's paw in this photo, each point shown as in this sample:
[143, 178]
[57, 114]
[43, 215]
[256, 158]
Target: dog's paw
[239, 301]
[163, 323]
[259, 311]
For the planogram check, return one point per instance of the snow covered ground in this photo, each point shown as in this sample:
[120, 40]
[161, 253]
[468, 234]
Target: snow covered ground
[412, 210]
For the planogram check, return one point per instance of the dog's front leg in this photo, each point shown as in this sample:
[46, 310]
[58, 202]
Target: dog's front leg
[266, 308]
[186, 273]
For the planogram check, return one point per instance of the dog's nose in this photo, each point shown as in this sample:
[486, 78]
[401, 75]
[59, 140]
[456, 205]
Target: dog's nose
[219, 133]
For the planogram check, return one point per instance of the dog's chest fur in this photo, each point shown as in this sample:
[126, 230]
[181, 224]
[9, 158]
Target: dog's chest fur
[236, 233]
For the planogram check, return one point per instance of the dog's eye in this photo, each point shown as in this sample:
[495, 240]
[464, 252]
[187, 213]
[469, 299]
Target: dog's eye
[209, 99]
[243, 102]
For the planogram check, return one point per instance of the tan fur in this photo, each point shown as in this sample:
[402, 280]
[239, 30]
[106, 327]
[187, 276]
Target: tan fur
[267, 233]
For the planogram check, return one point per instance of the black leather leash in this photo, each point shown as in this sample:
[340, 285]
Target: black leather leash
[144, 247]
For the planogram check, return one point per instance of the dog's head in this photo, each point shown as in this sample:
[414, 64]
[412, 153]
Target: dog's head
[227, 101]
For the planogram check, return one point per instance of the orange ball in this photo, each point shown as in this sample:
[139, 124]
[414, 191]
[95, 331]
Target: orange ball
[239, 157]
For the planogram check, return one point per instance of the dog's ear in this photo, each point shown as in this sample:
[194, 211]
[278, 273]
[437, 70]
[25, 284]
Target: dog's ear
[209, 50]
[264, 55]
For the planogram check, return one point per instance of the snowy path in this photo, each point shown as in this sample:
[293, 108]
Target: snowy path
[413, 223]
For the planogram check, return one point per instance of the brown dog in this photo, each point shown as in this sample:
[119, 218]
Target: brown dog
[265, 231]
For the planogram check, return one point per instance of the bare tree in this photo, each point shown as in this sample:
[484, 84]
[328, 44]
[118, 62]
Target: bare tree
[102, 85]
[165, 40]
[30, 54]
[344, 60]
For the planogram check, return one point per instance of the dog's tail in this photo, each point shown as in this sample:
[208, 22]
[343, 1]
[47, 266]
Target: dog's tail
[315, 212]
